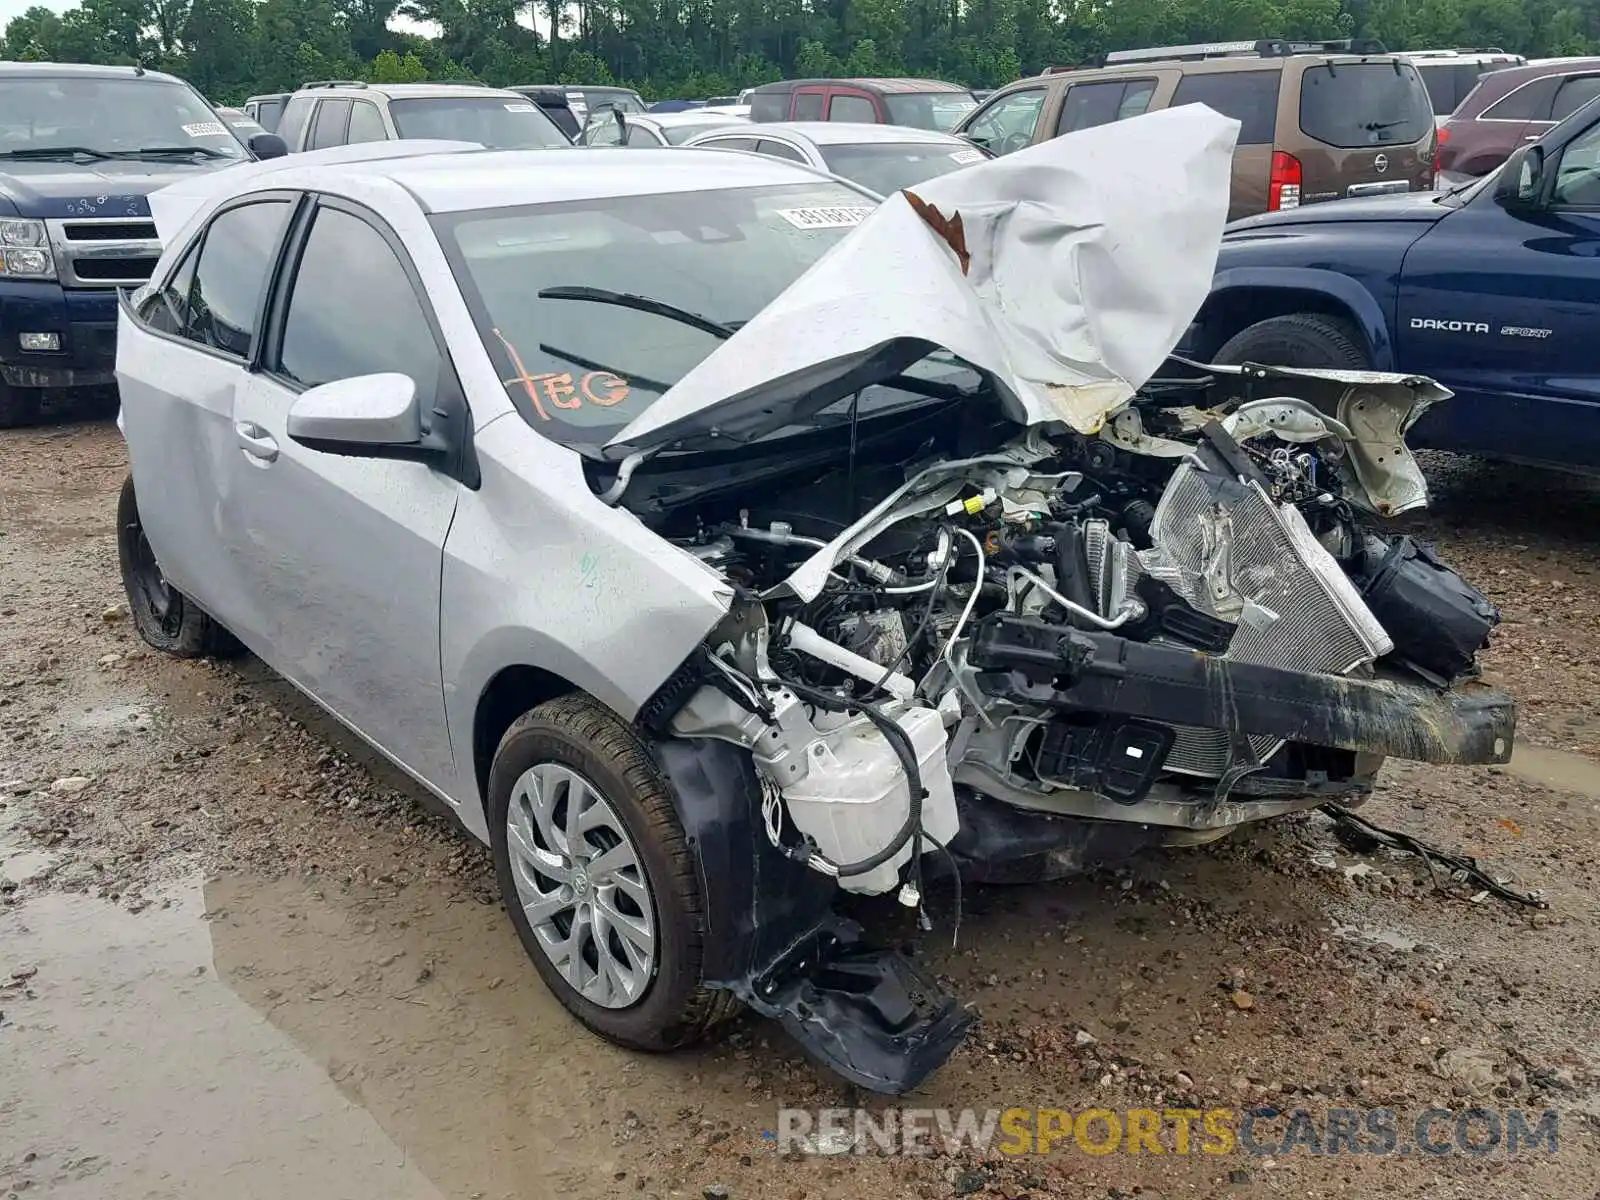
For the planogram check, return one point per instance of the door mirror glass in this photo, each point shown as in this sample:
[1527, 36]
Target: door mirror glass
[267, 145]
[367, 414]
[1521, 179]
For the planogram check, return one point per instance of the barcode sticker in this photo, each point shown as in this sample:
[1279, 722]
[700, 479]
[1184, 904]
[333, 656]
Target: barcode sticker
[824, 218]
[206, 129]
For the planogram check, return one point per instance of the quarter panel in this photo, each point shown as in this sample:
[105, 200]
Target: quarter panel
[538, 572]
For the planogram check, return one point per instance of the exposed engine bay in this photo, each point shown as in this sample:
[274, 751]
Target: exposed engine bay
[1011, 662]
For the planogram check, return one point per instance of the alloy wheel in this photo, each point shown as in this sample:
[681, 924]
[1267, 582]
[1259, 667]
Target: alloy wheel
[581, 885]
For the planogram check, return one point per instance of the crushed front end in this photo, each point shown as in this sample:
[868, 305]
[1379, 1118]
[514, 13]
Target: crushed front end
[1056, 650]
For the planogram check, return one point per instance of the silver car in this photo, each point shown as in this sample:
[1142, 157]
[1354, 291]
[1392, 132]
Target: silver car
[706, 582]
[881, 158]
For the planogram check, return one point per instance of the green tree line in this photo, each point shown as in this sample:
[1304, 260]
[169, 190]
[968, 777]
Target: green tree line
[232, 48]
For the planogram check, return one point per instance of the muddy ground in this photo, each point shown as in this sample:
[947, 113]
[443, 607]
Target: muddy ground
[239, 959]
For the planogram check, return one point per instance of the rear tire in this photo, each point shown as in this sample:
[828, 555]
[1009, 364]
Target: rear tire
[1309, 340]
[165, 618]
[574, 751]
[19, 407]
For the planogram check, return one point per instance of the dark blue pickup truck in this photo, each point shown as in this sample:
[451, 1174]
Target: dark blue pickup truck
[81, 147]
[1493, 290]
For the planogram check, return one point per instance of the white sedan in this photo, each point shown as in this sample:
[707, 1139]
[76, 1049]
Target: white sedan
[708, 573]
[883, 158]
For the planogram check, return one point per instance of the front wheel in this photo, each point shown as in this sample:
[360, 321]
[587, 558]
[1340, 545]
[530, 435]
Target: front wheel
[165, 618]
[1309, 340]
[598, 877]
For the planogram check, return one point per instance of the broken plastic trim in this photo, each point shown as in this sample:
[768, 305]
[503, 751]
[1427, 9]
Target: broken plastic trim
[769, 936]
[870, 1015]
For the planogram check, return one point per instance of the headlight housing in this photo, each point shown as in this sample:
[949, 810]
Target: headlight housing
[25, 250]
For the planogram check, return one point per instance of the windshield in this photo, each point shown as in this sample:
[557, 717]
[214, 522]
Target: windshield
[580, 370]
[499, 122]
[1351, 105]
[929, 110]
[886, 168]
[111, 116]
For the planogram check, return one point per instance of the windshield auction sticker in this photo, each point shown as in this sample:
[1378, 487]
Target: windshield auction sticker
[966, 156]
[519, 108]
[824, 218]
[206, 129]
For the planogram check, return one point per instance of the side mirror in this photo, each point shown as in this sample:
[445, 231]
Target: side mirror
[1521, 180]
[267, 145]
[369, 416]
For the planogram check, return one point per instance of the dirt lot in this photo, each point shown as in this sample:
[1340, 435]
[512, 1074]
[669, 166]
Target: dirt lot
[239, 959]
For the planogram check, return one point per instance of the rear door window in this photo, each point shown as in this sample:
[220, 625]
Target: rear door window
[235, 260]
[779, 150]
[1351, 105]
[1574, 92]
[1530, 102]
[1249, 97]
[807, 106]
[1091, 104]
[366, 124]
[845, 107]
[328, 128]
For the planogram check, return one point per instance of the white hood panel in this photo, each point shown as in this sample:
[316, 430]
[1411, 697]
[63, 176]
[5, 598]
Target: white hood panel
[1088, 257]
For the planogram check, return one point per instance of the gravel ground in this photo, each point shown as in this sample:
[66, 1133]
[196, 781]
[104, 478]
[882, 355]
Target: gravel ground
[1274, 968]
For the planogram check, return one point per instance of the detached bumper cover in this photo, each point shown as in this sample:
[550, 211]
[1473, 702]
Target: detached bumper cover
[1032, 660]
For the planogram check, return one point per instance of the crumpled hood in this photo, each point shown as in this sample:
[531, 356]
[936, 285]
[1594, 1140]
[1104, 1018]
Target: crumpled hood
[101, 189]
[1067, 272]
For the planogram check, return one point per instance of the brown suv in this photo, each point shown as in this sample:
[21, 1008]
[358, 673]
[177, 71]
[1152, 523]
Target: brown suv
[1318, 121]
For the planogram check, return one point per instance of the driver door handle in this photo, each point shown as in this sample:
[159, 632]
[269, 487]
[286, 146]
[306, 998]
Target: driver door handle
[256, 441]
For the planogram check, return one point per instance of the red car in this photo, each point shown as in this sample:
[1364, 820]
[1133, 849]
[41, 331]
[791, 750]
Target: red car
[1508, 108]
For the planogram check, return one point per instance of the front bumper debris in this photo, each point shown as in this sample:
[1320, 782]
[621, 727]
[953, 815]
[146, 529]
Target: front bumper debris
[1033, 661]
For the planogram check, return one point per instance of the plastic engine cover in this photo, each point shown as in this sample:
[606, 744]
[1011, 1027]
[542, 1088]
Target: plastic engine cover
[854, 797]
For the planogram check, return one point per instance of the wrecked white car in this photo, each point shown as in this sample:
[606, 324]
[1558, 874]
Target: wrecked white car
[717, 543]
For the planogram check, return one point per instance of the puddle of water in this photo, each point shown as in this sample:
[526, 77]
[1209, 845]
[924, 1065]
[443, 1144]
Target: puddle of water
[18, 862]
[1556, 769]
[428, 1013]
[132, 1071]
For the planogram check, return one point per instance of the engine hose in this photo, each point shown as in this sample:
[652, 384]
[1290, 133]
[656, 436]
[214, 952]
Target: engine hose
[900, 743]
[1072, 567]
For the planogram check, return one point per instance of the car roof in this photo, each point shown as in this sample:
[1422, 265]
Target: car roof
[881, 85]
[852, 133]
[419, 91]
[1539, 69]
[470, 179]
[55, 70]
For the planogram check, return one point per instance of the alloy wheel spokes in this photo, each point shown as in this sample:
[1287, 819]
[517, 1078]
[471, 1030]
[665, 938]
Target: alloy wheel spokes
[581, 885]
